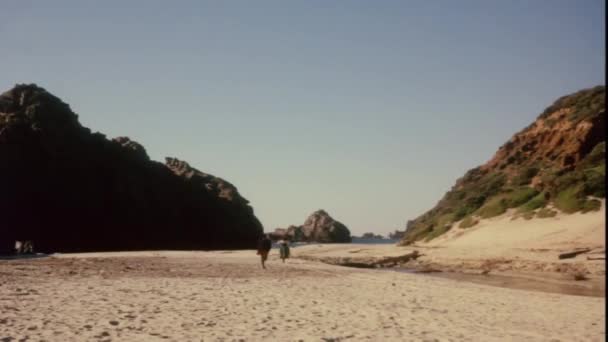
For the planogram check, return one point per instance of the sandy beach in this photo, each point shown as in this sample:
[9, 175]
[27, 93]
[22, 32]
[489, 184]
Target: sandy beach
[501, 280]
[226, 296]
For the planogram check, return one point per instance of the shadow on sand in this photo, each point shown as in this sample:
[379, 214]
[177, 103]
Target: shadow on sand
[23, 256]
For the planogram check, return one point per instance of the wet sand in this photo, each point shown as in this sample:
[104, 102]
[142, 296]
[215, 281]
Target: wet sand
[538, 282]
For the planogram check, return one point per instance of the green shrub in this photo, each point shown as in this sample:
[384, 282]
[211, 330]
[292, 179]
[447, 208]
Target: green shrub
[417, 232]
[548, 177]
[596, 157]
[455, 195]
[491, 185]
[438, 230]
[588, 105]
[536, 202]
[494, 207]
[570, 189]
[591, 205]
[595, 184]
[567, 181]
[571, 199]
[468, 222]
[461, 212]
[519, 196]
[525, 176]
[584, 104]
[468, 206]
[445, 220]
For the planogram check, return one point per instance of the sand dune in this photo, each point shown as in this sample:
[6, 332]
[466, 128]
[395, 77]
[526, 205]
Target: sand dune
[560, 232]
[225, 296]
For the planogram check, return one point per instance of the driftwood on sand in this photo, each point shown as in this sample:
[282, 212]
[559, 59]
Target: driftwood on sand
[572, 254]
[393, 261]
[363, 262]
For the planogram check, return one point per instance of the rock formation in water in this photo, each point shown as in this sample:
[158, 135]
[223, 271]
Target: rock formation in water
[396, 235]
[370, 235]
[68, 189]
[556, 163]
[318, 227]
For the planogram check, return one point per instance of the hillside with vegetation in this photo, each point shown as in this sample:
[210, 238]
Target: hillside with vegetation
[555, 164]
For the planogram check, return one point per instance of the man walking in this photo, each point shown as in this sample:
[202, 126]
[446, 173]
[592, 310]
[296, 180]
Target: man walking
[264, 246]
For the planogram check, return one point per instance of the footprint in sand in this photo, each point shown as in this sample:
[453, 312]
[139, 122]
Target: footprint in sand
[103, 334]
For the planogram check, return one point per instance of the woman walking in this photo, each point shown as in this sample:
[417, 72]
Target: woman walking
[284, 250]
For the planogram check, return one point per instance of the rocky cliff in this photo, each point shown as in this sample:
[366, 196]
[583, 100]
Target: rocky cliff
[69, 189]
[556, 163]
[318, 227]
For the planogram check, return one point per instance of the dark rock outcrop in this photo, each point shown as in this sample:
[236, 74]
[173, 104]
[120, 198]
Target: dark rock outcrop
[370, 235]
[318, 227]
[68, 189]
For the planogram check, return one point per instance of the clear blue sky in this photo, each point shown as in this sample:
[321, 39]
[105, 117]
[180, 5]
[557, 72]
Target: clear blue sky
[368, 109]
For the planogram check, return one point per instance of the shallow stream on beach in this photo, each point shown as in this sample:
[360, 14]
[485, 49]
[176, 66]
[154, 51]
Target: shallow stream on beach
[590, 288]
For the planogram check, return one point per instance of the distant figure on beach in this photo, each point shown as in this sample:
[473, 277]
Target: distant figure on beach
[24, 247]
[284, 249]
[264, 246]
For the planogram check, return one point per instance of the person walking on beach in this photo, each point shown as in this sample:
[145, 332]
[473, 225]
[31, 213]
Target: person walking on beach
[284, 250]
[264, 246]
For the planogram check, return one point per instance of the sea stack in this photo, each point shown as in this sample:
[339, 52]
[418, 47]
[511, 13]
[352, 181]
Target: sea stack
[318, 227]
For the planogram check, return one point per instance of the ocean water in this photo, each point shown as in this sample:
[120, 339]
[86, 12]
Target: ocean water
[376, 241]
[362, 241]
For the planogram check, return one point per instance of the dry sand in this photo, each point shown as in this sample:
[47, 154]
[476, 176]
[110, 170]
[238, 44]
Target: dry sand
[226, 296]
[527, 247]
[499, 245]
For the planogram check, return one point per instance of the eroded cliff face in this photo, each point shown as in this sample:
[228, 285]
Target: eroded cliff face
[553, 141]
[558, 160]
[318, 227]
[69, 189]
